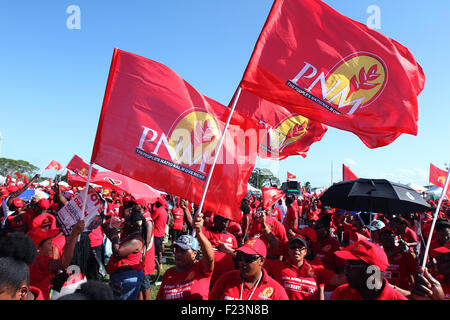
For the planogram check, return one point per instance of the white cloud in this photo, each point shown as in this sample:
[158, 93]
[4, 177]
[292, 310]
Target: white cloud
[350, 162]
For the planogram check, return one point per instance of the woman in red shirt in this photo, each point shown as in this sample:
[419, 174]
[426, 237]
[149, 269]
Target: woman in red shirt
[189, 279]
[126, 265]
[45, 266]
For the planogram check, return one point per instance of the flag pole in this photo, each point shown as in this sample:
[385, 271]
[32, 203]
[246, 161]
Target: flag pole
[436, 213]
[219, 147]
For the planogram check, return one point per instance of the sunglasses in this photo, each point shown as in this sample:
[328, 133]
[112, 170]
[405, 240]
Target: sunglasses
[247, 258]
[293, 247]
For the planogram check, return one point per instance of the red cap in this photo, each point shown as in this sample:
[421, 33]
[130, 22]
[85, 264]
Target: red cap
[254, 246]
[45, 221]
[18, 202]
[366, 251]
[38, 235]
[141, 202]
[308, 232]
[443, 249]
[44, 203]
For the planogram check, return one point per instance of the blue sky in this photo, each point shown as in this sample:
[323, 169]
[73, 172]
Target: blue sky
[52, 79]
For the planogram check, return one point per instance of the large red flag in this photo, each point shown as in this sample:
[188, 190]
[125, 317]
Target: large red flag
[347, 174]
[80, 167]
[270, 196]
[320, 64]
[282, 133]
[54, 165]
[156, 128]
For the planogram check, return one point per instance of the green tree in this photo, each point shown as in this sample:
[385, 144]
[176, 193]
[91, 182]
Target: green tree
[262, 177]
[11, 166]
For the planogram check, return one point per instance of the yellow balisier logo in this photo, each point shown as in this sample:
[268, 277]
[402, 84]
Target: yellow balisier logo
[194, 137]
[288, 132]
[362, 77]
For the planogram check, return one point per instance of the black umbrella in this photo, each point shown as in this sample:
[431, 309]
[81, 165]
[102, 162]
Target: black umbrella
[374, 195]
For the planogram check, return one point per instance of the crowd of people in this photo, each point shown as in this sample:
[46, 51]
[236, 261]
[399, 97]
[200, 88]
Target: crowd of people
[294, 249]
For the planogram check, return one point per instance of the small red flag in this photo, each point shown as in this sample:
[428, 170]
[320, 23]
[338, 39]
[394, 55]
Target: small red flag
[19, 176]
[80, 167]
[270, 196]
[291, 176]
[8, 180]
[329, 68]
[25, 179]
[347, 174]
[54, 165]
[156, 128]
[437, 176]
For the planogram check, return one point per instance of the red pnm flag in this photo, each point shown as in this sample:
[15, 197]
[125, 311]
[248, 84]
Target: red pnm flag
[156, 128]
[329, 68]
[282, 133]
[347, 174]
[19, 176]
[270, 196]
[54, 165]
[8, 180]
[290, 176]
[80, 167]
[437, 176]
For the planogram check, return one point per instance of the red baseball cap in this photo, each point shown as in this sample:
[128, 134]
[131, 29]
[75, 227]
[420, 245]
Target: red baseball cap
[308, 232]
[366, 251]
[443, 249]
[141, 202]
[254, 246]
[44, 203]
[45, 221]
[38, 234]
[18, 202]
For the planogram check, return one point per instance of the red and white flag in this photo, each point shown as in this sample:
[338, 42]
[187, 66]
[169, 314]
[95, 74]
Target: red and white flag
[347, 174]
[54, 165]
[329, 68]
[290, 176]
[156, 128]
[437, 177]
[80, 167]
[270, 196]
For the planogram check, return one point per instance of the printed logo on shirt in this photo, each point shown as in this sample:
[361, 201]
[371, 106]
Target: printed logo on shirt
[267, 292]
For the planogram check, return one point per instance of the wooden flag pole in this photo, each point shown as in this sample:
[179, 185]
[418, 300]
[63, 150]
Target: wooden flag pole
[219, 147]
[436, 213]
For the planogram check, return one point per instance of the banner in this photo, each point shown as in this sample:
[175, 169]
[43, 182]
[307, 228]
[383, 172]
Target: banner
[156, 128]
[70, 214]
[329, 68]
[347, 174]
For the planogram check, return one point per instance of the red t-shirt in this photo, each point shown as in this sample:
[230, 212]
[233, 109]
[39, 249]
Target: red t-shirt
[291, 215]
[401, 266]
[40, 275]
[160, 217]
[345, 292]
[325, 249]
[134, 260]
[228, 287]
[277, 229]
[300, 283]
[192, 284]
[149, 260]
[96, 237]
[178, 218]
[37, 293]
